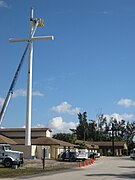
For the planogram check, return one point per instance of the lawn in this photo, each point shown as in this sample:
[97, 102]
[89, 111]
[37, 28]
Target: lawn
[23, 171]
[9, 172]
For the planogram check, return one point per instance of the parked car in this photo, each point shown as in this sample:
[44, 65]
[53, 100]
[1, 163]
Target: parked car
[94, 155]
[72, 156]
[132, 154]
[67, 155]
[82, 156]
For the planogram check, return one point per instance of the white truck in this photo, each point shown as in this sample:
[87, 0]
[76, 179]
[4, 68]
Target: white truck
[8, 157]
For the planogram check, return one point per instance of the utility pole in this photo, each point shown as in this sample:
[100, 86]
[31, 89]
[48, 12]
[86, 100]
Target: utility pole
[113, 147]
[34, 23]
[113, 129]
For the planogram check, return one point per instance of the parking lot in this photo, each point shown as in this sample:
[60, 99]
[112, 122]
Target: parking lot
[104, 168]
[113, 168]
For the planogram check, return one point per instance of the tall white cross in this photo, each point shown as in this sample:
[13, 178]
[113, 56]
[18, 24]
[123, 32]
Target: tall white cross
[34, 23]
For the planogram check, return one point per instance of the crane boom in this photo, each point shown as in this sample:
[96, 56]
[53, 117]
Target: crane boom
[10, 92]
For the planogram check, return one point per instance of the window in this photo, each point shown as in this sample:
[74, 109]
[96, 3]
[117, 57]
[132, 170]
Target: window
[1, 148]
[7, 148]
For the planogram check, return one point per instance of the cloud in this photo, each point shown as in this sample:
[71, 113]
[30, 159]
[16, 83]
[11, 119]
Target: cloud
[105, 13]
[37, 93]
[23, 92]
[102, 13]
[19, 92]
[64, 107]
[126, 102]
[39, 126]
[1, 101]
[119, 117]
[4, 4]
[58, 125]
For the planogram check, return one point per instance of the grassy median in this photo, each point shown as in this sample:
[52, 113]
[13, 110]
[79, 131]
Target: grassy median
[23, 171]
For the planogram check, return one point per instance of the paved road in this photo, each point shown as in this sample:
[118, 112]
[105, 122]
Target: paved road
[105, 168]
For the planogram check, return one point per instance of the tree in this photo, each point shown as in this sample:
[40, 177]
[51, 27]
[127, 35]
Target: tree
[82, 128]
[102, 128]
[122, 130]
[130, 133]
[65, 137]
[92, 129]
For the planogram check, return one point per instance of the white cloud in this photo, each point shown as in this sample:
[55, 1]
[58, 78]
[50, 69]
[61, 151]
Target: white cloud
[37, 93]
[58, 125]
[1, 101]
[119, 117]
[23, 92]
[102, 12]
[4, 4]
[126, 116]
[19, 92]
[64, 107]
[126, 102]
[2, 127]
[39, 126]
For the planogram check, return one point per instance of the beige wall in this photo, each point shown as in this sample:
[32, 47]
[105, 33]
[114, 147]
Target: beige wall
[27, 150]
[48, 133]
[33, 151]
[36, 151]
[39, 152]
[20, 134]
[13, 134]
[55, 151]
[38, 134]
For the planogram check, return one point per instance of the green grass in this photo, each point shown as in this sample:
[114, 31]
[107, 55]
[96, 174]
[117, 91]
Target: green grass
[26, 171]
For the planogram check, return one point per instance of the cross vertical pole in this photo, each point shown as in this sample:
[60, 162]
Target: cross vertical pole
[34, 23]
[29, 86]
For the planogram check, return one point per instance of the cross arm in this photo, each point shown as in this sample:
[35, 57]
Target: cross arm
[33, 38]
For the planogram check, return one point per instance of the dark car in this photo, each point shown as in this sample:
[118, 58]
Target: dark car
[94, 155]
[67, 155]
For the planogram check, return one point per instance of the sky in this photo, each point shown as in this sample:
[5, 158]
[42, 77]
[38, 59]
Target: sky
[90, 65]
